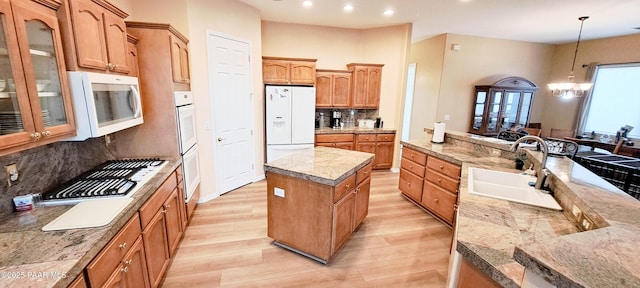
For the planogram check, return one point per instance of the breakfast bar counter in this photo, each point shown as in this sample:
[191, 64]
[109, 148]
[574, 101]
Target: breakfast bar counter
[503, 239]
[316, 199]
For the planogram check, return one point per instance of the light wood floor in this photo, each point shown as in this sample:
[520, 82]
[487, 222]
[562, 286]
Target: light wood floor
[226, 245]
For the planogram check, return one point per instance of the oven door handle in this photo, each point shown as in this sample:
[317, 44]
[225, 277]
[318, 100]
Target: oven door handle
[138, 108]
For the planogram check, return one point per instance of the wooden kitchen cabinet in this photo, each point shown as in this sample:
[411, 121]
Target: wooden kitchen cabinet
[95, 36]
[440, 190]
[35, 91]
[121, 261]
[502, 105]
[333, 88]
[161, 229]
[470, 277]
[363, 189]
[79, 282]
[379, 144]
[338, 140]
[288, 71]
[180, 59]
[343, 217]
[132, 55]
[366, 83]
[412, 167]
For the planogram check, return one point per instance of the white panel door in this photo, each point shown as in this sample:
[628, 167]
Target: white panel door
[278, 114]
[303, 109]
[230, 91]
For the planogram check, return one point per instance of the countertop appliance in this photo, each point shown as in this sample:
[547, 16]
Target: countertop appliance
[289, 120]
[104, 103]
[336, 118]
[187, 139]
[114, 178]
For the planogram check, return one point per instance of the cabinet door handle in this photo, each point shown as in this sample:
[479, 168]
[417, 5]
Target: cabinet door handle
[46, 133]
[124, 269]
[347, 186]
[437, 200]
[164, 211]
[123, 246]
[168, 206]
[409, 184]
[36, 136]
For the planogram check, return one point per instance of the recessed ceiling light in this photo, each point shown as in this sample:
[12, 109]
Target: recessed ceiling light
[307, 3]
[388, 12]
[348, 8]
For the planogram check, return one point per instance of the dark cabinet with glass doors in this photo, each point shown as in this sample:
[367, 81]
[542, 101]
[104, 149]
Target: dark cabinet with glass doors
[502, 105]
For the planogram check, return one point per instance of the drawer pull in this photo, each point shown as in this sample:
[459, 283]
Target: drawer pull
[411, 167]
[124, 269]
[412, 155]
[408, 183]
[123, 246]
[347, 186]
[439, 180]
[128, 262]
[441, 167]
[168, 206]
[366, 172]
[437, 200]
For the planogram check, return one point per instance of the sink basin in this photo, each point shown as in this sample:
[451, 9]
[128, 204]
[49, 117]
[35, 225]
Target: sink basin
[509, 186]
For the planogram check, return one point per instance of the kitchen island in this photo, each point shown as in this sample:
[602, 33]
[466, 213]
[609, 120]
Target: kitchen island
[316, 199]
[511, 243]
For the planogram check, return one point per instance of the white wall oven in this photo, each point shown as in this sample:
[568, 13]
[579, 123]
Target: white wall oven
[104, 103]
[186, 119]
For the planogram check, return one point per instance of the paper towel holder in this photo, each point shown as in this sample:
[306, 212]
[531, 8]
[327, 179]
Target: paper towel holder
[434, 134]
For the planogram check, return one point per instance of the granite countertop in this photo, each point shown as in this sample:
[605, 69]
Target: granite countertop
[502, 238]
[30, 257]
[322, 165]
[354, 130]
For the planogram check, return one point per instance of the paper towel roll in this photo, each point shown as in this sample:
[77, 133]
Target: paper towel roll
[438, 133]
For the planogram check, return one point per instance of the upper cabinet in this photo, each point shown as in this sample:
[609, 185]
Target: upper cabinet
[132, 55]
[288, 71]
[500, 106]
[180, 59]
[95, 36]
[333, 88]
[365, 87]
[35, 105]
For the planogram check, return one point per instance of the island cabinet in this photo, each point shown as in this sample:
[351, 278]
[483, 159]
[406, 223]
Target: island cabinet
[35, 103]
[470, 277]
[431, 183]
[79, 282]
[288, 71]
[333, 89]
[379, 144]
[95, 36]
[161, 228]
[338, 140]
[316, 217]
[122, 263]
[366, 83]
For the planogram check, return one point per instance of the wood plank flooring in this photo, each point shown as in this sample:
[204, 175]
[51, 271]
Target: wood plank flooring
[226, 245]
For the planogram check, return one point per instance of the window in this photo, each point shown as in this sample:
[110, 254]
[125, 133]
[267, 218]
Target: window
[614, 101]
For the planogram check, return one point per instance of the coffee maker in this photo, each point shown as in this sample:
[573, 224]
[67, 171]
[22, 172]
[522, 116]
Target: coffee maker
[336, 118]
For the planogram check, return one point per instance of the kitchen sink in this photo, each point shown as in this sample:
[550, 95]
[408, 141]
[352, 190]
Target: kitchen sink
[509, 186]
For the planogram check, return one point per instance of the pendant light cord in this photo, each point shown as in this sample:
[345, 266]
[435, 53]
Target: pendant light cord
[575, 54]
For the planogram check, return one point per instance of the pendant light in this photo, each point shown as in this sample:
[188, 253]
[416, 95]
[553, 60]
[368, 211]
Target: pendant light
[570, 88]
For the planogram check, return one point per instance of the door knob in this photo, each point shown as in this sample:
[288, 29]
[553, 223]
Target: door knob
[220, 139]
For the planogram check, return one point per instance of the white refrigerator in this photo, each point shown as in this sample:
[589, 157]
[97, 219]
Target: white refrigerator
[289, 120]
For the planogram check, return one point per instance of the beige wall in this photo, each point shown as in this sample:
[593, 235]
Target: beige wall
[172, 12]
[479, 61]
[429, 58]
[561, 113]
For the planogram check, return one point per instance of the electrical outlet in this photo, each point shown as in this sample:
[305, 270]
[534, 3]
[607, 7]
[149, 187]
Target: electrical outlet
[576, 212]
[12, 173]
[278, 192]
[585, 223]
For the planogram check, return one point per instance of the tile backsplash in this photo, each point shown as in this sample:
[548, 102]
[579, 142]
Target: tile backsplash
[358, 114]
[43, 168]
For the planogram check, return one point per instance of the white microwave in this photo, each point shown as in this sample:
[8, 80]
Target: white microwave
[104, 103]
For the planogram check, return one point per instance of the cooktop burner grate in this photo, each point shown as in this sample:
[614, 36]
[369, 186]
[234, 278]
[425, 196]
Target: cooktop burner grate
[110, 179]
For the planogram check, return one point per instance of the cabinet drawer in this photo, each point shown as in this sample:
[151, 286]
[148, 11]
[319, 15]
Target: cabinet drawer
[444, 167]
[363, 173]
[385, 137]
[99, 270]
[410, 185]
[343, 187]
[366, 137]
[149, 209]
[414, 156]
[439, 201]
[445, 182]
[412, 166]
[334, 138]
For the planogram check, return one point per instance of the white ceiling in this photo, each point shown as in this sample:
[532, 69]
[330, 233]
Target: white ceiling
[542, 21]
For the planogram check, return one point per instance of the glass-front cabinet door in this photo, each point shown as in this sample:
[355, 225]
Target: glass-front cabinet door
[511, 109]
[494, 113]
[525, 108]
[43, 82]
[478, 110]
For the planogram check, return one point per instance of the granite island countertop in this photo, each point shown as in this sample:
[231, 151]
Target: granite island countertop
[30, 257]
[322, 165]
[353, 130]
[503, 238]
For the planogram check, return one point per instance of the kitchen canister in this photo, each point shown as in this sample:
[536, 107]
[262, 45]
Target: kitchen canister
[438, 133]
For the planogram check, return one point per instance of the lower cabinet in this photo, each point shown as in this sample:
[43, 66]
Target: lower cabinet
[470, 277]
[343, 213]
[379, 144]
[80, 282]
[341, 141]
[139, 255]
[430, 182]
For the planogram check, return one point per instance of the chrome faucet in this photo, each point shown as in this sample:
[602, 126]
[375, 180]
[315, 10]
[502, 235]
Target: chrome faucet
[542, 172]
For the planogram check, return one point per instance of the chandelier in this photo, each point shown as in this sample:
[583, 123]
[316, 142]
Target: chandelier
[570, 88]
